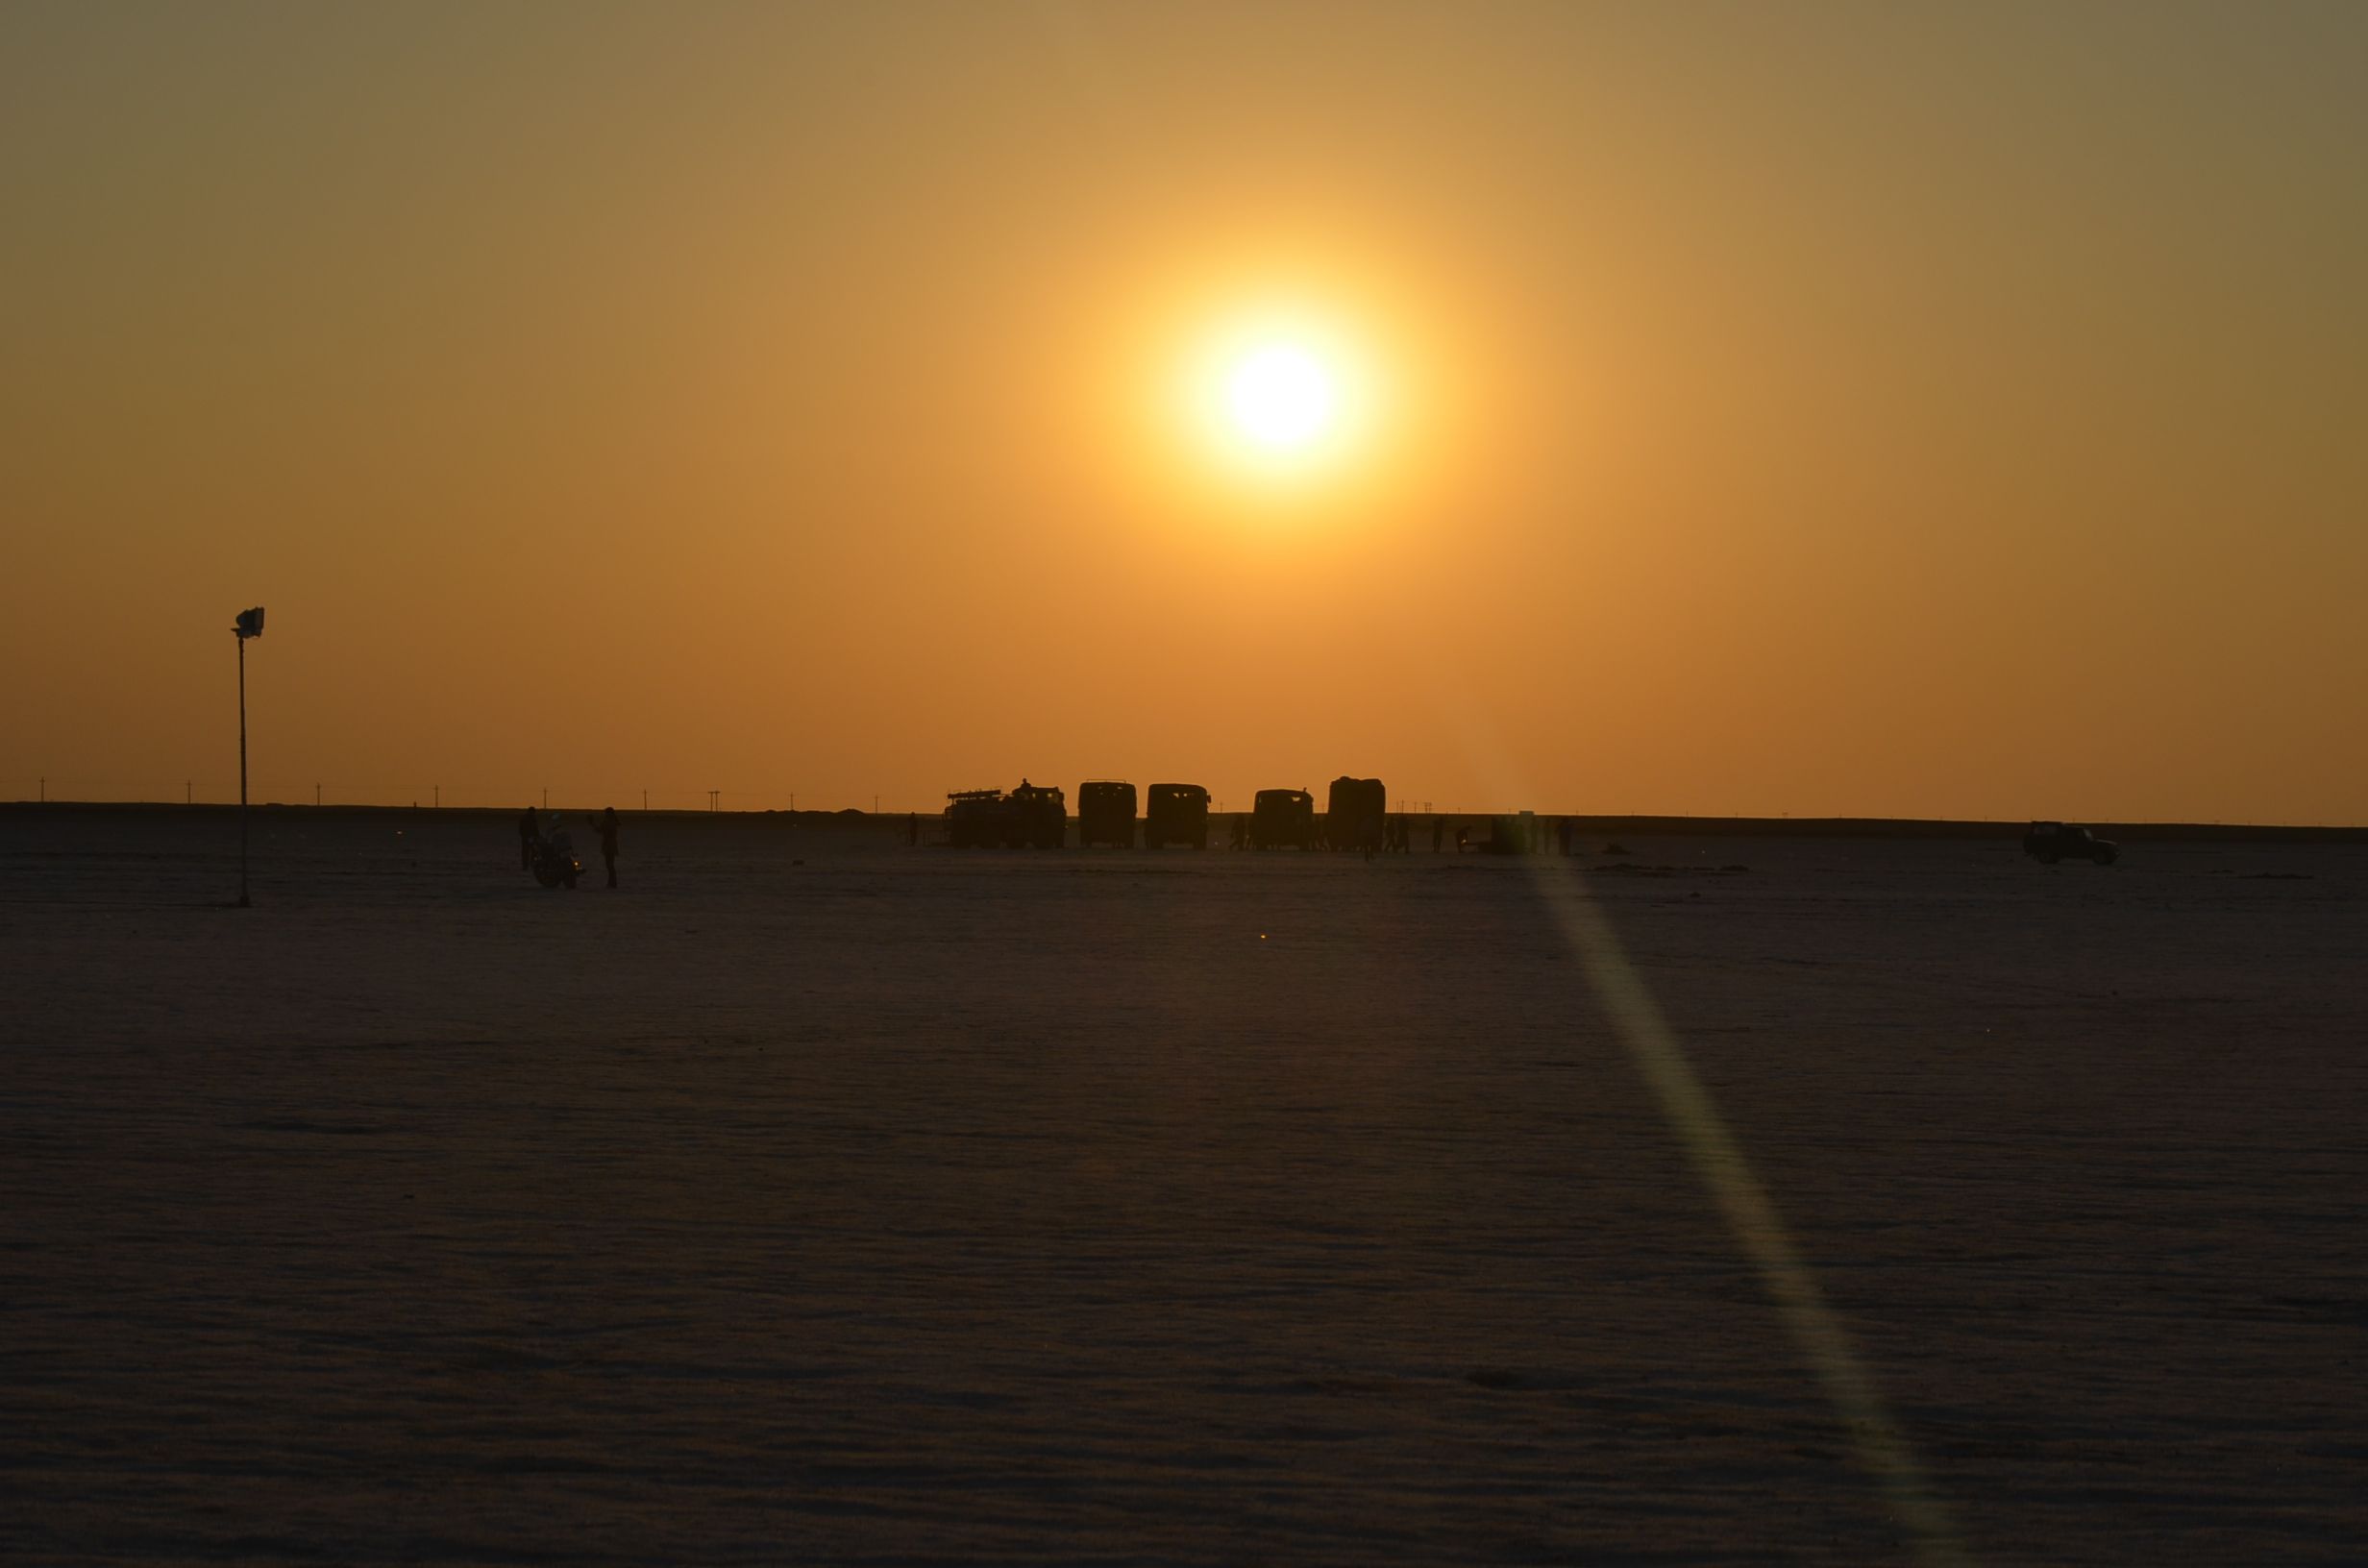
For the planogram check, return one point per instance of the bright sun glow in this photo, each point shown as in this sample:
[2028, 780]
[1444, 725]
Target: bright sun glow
[1284, 395]
[1281, 397]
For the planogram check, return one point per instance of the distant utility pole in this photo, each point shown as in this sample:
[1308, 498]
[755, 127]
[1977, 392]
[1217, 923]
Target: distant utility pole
[250, 624]
[188, 792]
[876, 805]
[715, 799]
[437, 797]
[645, 799]
[546, 797]
[316, 794]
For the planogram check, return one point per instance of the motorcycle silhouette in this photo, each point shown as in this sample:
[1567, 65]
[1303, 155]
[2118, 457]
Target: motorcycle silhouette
[554, 858]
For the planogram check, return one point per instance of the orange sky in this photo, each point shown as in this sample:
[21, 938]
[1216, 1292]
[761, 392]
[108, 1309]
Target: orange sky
[1830, 408]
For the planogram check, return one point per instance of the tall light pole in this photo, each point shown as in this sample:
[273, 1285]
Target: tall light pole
[250, 624]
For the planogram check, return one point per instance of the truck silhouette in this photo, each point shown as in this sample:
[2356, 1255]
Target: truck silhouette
[1283, 817]
[1106, 813]
[975, 819]
[1354, 811]
[1039, 816]
[1177, 814]
[1032, 816]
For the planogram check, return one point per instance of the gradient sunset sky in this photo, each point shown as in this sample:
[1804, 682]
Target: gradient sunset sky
[1888, 409]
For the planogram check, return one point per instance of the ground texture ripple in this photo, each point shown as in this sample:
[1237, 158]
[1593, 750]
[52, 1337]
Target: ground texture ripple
[816, 1198]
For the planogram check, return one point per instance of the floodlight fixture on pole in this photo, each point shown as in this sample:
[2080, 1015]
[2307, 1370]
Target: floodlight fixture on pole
[250, 624]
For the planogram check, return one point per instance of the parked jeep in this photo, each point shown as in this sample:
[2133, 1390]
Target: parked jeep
[1283, 817]
[1175, 814]
[1106, 813]
[2051, 841]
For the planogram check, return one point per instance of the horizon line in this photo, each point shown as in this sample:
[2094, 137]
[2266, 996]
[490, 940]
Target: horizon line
[1839, 825]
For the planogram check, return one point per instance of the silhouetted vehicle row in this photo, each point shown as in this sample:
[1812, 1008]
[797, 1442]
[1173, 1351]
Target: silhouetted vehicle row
[1357, 819]
[1032, 816]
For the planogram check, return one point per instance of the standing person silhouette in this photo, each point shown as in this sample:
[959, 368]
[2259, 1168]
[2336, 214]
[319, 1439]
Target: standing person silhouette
[527, 833]
[606, 825]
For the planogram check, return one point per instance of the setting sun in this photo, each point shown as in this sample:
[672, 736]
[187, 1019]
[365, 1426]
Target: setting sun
[1281, 397]
[1281, 393]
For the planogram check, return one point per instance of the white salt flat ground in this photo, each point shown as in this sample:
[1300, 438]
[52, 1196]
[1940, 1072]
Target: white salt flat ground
[907, 1206]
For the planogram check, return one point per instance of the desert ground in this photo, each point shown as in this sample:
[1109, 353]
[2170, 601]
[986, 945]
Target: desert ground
[816, 1198]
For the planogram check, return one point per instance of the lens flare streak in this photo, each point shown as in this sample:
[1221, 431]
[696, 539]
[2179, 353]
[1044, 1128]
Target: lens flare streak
[1879, 1445]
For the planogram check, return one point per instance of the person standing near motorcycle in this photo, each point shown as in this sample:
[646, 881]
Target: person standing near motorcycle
[605, 825]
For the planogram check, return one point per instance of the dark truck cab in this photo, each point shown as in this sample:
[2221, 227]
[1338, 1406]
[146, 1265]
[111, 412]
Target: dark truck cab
[1038, 817]
[1175, 814]
[1355, 813]
[1106, 813]
[2051, 841]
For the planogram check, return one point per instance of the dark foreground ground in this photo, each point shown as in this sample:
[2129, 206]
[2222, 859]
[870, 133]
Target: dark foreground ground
[908, 1206]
